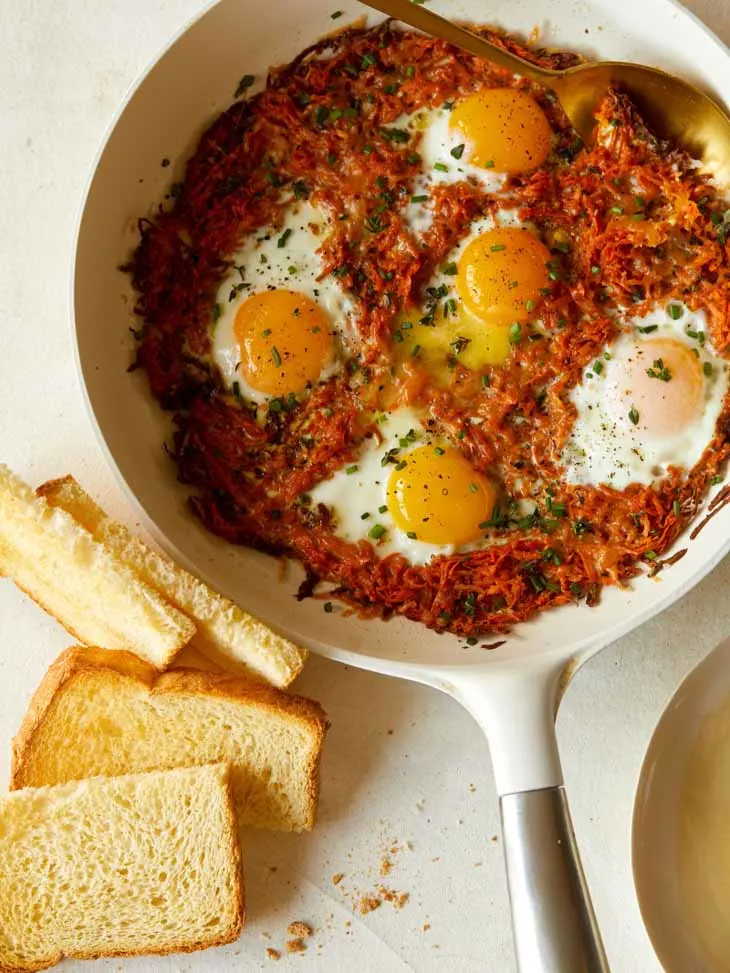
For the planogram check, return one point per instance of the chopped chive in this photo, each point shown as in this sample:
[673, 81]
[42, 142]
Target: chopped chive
[351, 469]
[415, 351]
[458, 151]
[595, 269]
[412, 535]
[237, 390]
[328, 607]
[715, 480]
[598, 367]
[515, 332]
[364, 516]
[674, 311]
[390, 89]
[409, 71]
[413, 158]
[367, 61]
[292, 270]
[336, 14]
[276, 356]
[497, 247]
[489, 164]
[707, 369]
[217, 311]
[266, 332]
[450, 269]
[616, 210]
[647, 329]
[473, 488]
[376, 531]
[368, 149]
[400, 466]
[439, 450]
[440, 167]
[676, 508]
[633, 415]
[485, 381]
[398, 336]
[419, 199]
[651, 555]
[246, 81]
[383, 509]
[397, 135]
[530, 305]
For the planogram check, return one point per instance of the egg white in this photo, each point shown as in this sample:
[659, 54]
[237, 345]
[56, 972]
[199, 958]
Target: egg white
[438, 166]
[607, 448]
[280, 258]
[365, 491]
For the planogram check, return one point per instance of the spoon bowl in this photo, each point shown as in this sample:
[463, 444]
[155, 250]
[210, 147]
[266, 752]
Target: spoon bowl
[674, 109]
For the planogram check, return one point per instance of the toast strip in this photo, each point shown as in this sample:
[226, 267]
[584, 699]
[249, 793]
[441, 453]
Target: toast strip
[86, 587]
[119, 866]
[225, 633]
[108, 713]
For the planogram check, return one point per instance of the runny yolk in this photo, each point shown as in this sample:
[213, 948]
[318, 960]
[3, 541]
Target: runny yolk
[664, 384]
[504, 130]
[501, 273]
[439, 497]
[284, 340]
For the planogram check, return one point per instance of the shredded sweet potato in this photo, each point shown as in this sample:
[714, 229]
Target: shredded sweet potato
[638, 208]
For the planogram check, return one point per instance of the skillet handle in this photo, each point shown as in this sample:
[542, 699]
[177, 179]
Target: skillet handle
[554, 926]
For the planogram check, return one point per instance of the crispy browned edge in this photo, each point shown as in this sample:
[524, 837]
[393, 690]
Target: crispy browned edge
[218, 659]
[227, 937]
[78, 659]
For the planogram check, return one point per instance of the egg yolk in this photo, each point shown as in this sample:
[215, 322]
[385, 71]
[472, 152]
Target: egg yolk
[284, 340]
[663, 384]
[504, 130]
[439, 497]
[501, 273]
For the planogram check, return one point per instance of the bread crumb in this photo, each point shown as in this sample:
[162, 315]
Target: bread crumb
[273, 953]
[397, 899]
[296, 946]
[426, 926]
[495, 839]
[300, 930]
[386, 866]
[336, 879]
[368, 903]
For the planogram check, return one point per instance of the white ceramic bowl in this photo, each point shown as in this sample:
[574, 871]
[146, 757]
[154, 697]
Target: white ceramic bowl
[680, 914]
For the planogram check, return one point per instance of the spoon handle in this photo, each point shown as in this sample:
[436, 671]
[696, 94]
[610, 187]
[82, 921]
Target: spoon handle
[418, 16]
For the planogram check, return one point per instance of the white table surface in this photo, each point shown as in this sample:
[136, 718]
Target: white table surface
[401, 763]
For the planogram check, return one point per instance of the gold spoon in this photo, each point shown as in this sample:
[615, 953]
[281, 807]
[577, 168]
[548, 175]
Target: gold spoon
[673, 109]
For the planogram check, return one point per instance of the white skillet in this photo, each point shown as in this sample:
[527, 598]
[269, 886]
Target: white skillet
[512, 691]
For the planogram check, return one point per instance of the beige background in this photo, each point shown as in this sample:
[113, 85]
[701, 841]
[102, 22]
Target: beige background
[402, 764]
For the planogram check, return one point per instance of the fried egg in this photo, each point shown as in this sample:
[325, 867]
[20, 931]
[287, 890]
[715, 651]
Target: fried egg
[475, 306]
[279, 328]
[409, 492]
[483, 138]
[650, 401]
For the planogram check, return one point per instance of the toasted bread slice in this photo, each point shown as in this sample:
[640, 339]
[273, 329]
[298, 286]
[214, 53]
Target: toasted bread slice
[97, 597]
[100, 712]
[119, 866]
[225, 633]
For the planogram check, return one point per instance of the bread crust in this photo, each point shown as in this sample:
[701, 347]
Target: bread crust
[228, 936]
[77, 660]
